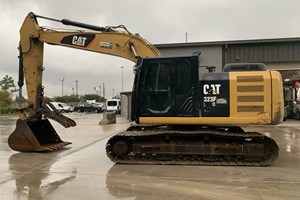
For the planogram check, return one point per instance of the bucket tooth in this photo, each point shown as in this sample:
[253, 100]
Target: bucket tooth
[35, 135]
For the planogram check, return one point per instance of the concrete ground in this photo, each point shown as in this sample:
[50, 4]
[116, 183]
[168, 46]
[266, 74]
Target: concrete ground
[82, 170]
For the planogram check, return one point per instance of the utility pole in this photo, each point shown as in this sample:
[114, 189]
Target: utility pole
[103, 91]
[100, 90]
[113, 92]
[62, 86]
[122, 67]
[76, 89]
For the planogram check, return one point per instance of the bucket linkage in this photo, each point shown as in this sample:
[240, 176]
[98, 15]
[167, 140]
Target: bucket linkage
[35, 133]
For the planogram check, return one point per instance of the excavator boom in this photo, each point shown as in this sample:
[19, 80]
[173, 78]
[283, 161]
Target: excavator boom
[33, 131]
[110, 41]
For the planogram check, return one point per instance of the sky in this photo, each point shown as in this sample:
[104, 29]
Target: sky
[158, 21]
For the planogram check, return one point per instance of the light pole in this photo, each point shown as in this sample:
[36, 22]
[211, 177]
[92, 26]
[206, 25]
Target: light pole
[122, 67]
[76, 89]
[62, 86]
[103, 91]
[99, 90]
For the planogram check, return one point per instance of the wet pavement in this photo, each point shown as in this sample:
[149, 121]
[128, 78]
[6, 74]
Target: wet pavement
[82, 170]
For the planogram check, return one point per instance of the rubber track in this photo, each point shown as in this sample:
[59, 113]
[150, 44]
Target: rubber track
[132, 133]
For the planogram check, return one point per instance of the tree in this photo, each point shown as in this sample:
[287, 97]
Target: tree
[93, 97]
[5, 96]
[66, 99]
[5, 99]
[60, 99]
[6, 83]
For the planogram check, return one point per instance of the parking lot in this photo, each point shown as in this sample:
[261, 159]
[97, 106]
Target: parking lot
[82, 170]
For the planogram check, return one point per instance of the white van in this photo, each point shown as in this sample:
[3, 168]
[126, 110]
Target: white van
[61, 107]
[113, 105]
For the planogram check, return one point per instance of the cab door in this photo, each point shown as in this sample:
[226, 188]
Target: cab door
[186, 84]
[169, 87]
[156, 92]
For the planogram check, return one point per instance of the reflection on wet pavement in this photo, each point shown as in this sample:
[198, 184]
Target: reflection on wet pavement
[33, 176]
[82, 171]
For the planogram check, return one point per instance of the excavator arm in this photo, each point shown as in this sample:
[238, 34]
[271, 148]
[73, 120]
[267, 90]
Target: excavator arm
[33, 131]
[108, 41]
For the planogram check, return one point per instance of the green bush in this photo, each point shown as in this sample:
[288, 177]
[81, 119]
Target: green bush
[6, 111]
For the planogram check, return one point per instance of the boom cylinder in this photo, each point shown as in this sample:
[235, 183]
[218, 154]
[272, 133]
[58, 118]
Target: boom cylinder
[82, 25]
[74, 23]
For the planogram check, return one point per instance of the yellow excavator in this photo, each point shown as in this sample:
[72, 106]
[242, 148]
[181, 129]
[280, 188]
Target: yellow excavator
[182, 116]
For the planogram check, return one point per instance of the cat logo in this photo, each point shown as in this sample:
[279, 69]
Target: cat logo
[211, 89]
[78, 40]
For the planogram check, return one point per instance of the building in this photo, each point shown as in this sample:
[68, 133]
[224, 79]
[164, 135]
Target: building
[282, 54]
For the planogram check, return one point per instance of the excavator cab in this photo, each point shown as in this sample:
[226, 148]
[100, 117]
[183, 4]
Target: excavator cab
[167, 87]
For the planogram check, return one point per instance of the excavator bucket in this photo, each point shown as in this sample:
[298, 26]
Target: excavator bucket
[35, 135]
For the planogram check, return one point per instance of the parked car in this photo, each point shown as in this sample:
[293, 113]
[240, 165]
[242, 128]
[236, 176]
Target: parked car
[62, 107]
[89, 107]
[113, 105]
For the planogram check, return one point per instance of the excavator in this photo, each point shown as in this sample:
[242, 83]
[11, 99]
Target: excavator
[180, 115]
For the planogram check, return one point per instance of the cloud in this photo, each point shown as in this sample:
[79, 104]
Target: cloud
[159, 21]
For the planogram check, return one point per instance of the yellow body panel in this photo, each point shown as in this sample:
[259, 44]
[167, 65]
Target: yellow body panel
[255, 98]
[248, 92]
[205, 120]
[277, 98]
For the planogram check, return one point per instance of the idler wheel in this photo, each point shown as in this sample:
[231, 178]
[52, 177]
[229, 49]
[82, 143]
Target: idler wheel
[120, 148]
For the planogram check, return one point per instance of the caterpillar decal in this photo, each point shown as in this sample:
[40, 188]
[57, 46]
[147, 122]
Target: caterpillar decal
[83, 40]
[214, 94]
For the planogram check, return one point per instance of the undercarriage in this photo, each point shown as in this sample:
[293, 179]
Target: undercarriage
[190, 145]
